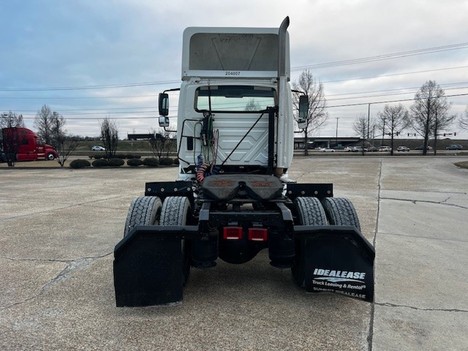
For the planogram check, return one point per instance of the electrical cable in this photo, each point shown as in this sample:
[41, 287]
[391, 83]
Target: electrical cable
[382, 57]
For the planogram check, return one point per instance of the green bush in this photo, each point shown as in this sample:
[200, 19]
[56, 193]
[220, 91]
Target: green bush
[98, 156]
[166, 161]
[151, 162]
[79, 163]
[176, 161]
[116, 162]
[101, 162]
[129, 157]
[121, 156]
[134, 162]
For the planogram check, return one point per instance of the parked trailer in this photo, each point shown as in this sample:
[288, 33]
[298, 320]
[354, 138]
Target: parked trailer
[233, 197]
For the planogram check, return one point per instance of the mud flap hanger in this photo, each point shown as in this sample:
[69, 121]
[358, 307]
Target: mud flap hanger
[336, 259]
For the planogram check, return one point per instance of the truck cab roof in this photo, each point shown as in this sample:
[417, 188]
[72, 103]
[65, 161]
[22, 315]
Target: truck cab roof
[231, 52]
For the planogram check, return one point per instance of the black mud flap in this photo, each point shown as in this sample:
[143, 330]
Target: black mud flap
[148, 266]
[337, 259]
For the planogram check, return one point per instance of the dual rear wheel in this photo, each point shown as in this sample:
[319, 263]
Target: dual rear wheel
[310, 211]
[174, 211]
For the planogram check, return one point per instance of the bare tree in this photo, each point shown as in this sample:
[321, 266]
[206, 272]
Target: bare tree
[10, 120]
[252, 106]
[317, 114]
[57, 129]
[429, 113]
[9, 142]
[161, 144]
[109, 136]
[361, 127]
[64, 146]
[463, 120]
[392, 121]
[43, 123]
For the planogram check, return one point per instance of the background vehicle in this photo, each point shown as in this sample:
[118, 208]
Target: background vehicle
[98, 148]
[385, 149]
[403, 148]
[358, 149]
[22, 144]
[421, 147]
[233, 197]
[454, 147]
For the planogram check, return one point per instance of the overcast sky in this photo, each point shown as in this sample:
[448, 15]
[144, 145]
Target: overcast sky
[92, 59]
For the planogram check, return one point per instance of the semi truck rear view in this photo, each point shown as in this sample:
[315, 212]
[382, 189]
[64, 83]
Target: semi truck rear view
[233, 196]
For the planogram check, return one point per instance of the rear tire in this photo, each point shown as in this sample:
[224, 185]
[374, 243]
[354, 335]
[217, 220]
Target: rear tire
[144, 210]
[310, 212]
[175, 211]
[340, 211]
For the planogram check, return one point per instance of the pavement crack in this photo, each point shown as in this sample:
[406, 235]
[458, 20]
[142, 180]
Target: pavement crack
[370, 334]
[443, 202]
[65, 207]
[393, 305]
[35, 259]
[72, 266]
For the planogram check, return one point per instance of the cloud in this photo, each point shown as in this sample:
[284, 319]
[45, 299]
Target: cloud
[113, 44]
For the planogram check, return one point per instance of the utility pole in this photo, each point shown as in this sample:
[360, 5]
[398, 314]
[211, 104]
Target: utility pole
[368, 121]
[336, 133]
[383, 131]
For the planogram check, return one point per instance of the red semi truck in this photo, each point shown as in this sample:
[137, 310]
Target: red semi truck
[22, 144]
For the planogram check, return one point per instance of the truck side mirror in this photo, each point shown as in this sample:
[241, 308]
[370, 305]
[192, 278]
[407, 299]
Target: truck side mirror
[303, 111]
[163, 121]
[163, 104]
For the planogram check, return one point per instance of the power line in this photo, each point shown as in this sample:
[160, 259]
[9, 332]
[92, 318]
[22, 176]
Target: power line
[361, 60]
[394, 74]
[98, 118]
[398, 91]
[388, 101]
[73, 97]
[174, 116]
[343, 96]
[390, 56]
[173, 82]
[91, 87]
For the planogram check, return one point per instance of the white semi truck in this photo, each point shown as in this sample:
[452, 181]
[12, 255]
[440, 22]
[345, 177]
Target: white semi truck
[233, 197]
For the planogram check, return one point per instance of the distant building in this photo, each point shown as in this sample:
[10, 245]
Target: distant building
[327, 142]
[150, 136]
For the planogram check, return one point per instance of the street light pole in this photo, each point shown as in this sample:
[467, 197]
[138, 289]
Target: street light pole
[368, 121]
[336, 133]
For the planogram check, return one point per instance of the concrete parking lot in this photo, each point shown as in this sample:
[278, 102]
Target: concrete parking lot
[58, 228]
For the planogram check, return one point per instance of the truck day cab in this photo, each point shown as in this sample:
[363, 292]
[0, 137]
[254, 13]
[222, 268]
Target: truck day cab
[22, 144]
[233, 197]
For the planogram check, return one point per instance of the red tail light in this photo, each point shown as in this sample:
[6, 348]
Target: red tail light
[258, 234]
[233, 233]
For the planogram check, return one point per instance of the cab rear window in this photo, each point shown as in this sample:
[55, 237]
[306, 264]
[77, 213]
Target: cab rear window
[227, 98]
